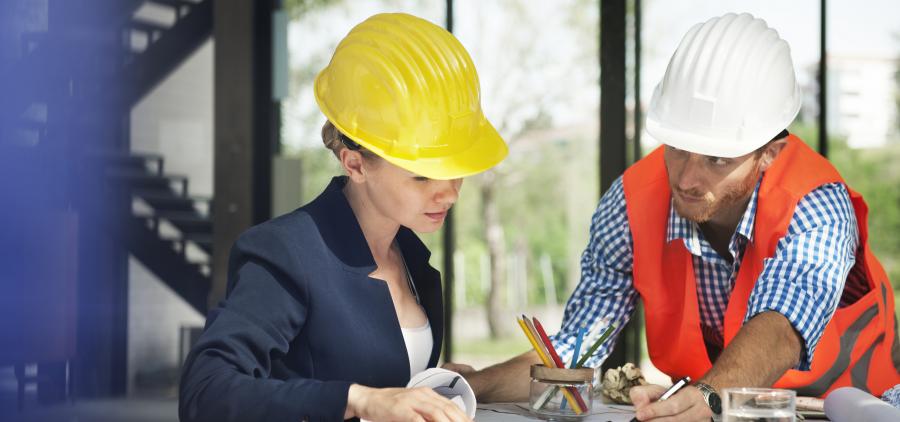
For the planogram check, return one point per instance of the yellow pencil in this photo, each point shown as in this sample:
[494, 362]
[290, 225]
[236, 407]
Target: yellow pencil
[548, 363]
[537, 338]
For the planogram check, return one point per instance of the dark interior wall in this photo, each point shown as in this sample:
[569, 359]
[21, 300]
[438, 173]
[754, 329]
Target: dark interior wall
[246, 126]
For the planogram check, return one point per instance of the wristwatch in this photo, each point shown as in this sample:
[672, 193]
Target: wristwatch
[711, 397]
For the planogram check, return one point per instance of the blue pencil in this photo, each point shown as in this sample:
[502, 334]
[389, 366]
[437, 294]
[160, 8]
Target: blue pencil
[578, 341]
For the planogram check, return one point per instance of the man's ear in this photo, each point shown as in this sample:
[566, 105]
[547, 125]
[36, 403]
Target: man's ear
[771, 153]
[352, 162]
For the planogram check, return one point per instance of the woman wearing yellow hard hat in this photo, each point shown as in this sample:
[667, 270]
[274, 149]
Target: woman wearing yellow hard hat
[331, 308]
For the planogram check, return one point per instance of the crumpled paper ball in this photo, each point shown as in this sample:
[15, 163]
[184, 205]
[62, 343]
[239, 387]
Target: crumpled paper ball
[617, 382]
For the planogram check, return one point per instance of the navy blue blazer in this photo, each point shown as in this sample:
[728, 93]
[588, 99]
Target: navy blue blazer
[302, 320]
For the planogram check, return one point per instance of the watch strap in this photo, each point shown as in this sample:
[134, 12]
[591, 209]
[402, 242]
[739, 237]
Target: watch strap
[715, 404]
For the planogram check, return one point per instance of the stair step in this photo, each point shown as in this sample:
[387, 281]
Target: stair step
[136, 156]
[146, 26]
[175, 4]
[176, 243]
[170, 48]
[190, 279]
[142, 179]
[187, 222]
[203, 240]
[132, 160]
[162, 194]
[166, 200]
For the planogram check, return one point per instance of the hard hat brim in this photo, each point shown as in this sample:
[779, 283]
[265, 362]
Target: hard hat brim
[724, 146]
[488, 150]
[696, 143]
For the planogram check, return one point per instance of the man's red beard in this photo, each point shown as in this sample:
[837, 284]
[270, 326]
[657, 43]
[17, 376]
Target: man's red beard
[731, 196]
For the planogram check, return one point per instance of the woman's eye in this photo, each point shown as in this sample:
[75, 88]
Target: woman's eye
[421, 179]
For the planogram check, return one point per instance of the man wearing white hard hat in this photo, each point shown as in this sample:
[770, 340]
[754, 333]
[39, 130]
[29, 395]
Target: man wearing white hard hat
[747, 248]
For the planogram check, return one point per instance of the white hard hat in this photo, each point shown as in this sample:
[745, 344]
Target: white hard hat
[728, 90]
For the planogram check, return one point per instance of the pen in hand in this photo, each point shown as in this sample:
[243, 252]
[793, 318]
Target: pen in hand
[671, 391]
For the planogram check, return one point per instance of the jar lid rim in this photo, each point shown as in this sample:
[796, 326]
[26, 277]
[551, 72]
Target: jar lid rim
[543, 373]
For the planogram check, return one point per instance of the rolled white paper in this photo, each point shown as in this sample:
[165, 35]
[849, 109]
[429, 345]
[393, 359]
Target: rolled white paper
[848, 404]
[448, 384]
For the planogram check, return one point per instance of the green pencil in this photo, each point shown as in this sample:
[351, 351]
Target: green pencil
[590, 352]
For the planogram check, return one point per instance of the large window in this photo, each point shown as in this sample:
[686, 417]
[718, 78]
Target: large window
[863, 92]
[522, 226]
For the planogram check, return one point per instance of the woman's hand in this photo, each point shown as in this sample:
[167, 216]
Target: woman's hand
[401, 404]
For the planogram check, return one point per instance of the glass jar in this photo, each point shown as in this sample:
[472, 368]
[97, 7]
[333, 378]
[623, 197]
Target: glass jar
[554, 389]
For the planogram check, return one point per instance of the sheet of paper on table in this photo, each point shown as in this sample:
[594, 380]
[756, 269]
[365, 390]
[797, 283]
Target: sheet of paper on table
[508, 412]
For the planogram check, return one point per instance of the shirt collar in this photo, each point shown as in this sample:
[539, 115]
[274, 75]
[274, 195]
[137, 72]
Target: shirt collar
[681, 228]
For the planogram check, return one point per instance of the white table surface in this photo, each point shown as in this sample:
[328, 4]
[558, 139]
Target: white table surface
[513, 412]
[503, 412]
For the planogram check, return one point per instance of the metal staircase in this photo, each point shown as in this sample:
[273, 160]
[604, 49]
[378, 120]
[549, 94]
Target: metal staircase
[155, 37]
[165, 44]
[168, 230]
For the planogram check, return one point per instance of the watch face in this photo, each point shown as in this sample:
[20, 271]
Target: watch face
[715, 403]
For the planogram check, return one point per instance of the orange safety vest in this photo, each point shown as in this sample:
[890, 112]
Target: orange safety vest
[859, 346]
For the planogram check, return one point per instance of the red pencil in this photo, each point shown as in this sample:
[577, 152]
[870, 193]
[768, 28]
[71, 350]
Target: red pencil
[546, 340]
[553, 355]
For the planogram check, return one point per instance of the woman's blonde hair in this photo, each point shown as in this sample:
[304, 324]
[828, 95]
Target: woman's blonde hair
[331, 137]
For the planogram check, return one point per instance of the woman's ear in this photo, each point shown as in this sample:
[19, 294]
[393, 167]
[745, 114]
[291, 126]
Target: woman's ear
[771, 153]
[353, 164]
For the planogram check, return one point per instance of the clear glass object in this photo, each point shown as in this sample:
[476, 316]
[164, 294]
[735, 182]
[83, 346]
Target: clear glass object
[553, 388]
[758, 404]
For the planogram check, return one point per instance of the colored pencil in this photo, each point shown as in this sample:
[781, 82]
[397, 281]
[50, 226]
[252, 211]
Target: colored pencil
[578, 340]
[590, 352]
[546, 339]
[547, 362]
[539, 328]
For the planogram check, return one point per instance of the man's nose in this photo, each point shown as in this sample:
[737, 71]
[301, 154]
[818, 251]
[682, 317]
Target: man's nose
[690, 175]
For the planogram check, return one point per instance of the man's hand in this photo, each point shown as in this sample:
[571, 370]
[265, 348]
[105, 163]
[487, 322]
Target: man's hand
[686, 405]
[504, 382]
[459, 368]
[401, 404]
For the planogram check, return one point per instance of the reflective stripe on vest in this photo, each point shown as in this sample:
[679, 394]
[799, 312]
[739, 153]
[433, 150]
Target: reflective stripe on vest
[859, 346]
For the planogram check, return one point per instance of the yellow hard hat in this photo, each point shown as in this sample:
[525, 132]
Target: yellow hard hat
[406, 89]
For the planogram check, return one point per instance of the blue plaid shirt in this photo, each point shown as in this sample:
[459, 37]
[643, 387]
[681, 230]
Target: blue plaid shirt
[803, 280]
